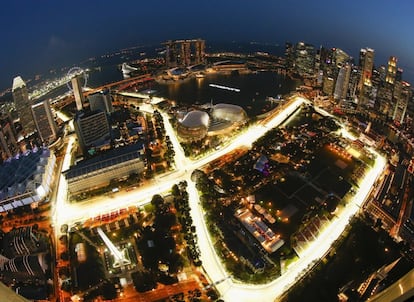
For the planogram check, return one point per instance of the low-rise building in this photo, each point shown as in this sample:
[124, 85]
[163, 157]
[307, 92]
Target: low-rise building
[270, 241]
[194, 126]
[98, 171]
[26, 178]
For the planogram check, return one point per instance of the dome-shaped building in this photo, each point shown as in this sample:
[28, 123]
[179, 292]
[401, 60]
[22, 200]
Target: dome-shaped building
[193, 126]
[228, 112]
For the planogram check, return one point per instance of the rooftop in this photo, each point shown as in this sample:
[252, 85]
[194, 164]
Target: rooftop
[18, 83]
[195, 119]
[107, 159]
[267, 238]
[18, 173]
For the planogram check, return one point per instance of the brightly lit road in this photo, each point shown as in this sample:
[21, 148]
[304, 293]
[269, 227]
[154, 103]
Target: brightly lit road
[229, 289]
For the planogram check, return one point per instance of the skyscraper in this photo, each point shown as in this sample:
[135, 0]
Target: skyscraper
[289, 56]
[184, 52]
[340, 57]
[185, 56]
[22, 105]
[92, 130]
[8, 142]
[342, 82]
[402, 95]
[45, 123]
[77, 92]
[391, 70]
[305, 59]
[366, 63]
[328, 86]
[101, 100]
[200, 48]
[384, 98]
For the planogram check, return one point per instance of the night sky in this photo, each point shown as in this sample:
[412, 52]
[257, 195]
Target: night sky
[40, 35]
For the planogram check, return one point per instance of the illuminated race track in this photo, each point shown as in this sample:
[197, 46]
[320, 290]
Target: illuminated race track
[229, 289]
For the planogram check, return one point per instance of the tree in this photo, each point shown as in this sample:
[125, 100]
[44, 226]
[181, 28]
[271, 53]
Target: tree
[175, 191]
[67, 285]
[144, 281]
[157, 200]
[64, 239]
[109, 291]
[64, 256]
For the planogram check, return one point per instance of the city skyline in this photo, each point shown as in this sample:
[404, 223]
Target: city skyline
[271, 165]
[50, 35]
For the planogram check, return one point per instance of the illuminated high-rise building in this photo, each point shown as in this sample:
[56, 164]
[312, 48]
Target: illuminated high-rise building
[77, 92]
[402, 95]
[183, 53]
[22, 105]
[8, 142]
[340, 57]
[384, 98]
[200, 48]
[328, 85]
[342, 82]
[305, 59]
[353, 81]
[101, 100]
[289, 56]
[391, 70]
[45, 123]
[398, 75]
[366, 64]
[92, 130]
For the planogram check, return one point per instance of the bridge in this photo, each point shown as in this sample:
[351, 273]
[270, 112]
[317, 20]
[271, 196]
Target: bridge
[123, 84]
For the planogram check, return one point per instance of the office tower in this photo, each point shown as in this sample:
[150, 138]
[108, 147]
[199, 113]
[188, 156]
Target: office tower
[340, 57]
[353, 81]
[342, 82]
[325, 57]
[366, 64]
[92, 129]
[4, 148]
[289, 56]
[328, 86]
[384, 98]
[398, 75]
[325, 62]
[402, 95]
[8, 142]
[318, 66]
[305, 59]
[101, 100]
[45, 123]
[77, 92]
[382, 74]
[22, 105]
[391, 70]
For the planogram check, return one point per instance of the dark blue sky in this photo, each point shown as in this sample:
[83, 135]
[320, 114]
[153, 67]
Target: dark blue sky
[39, 35]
